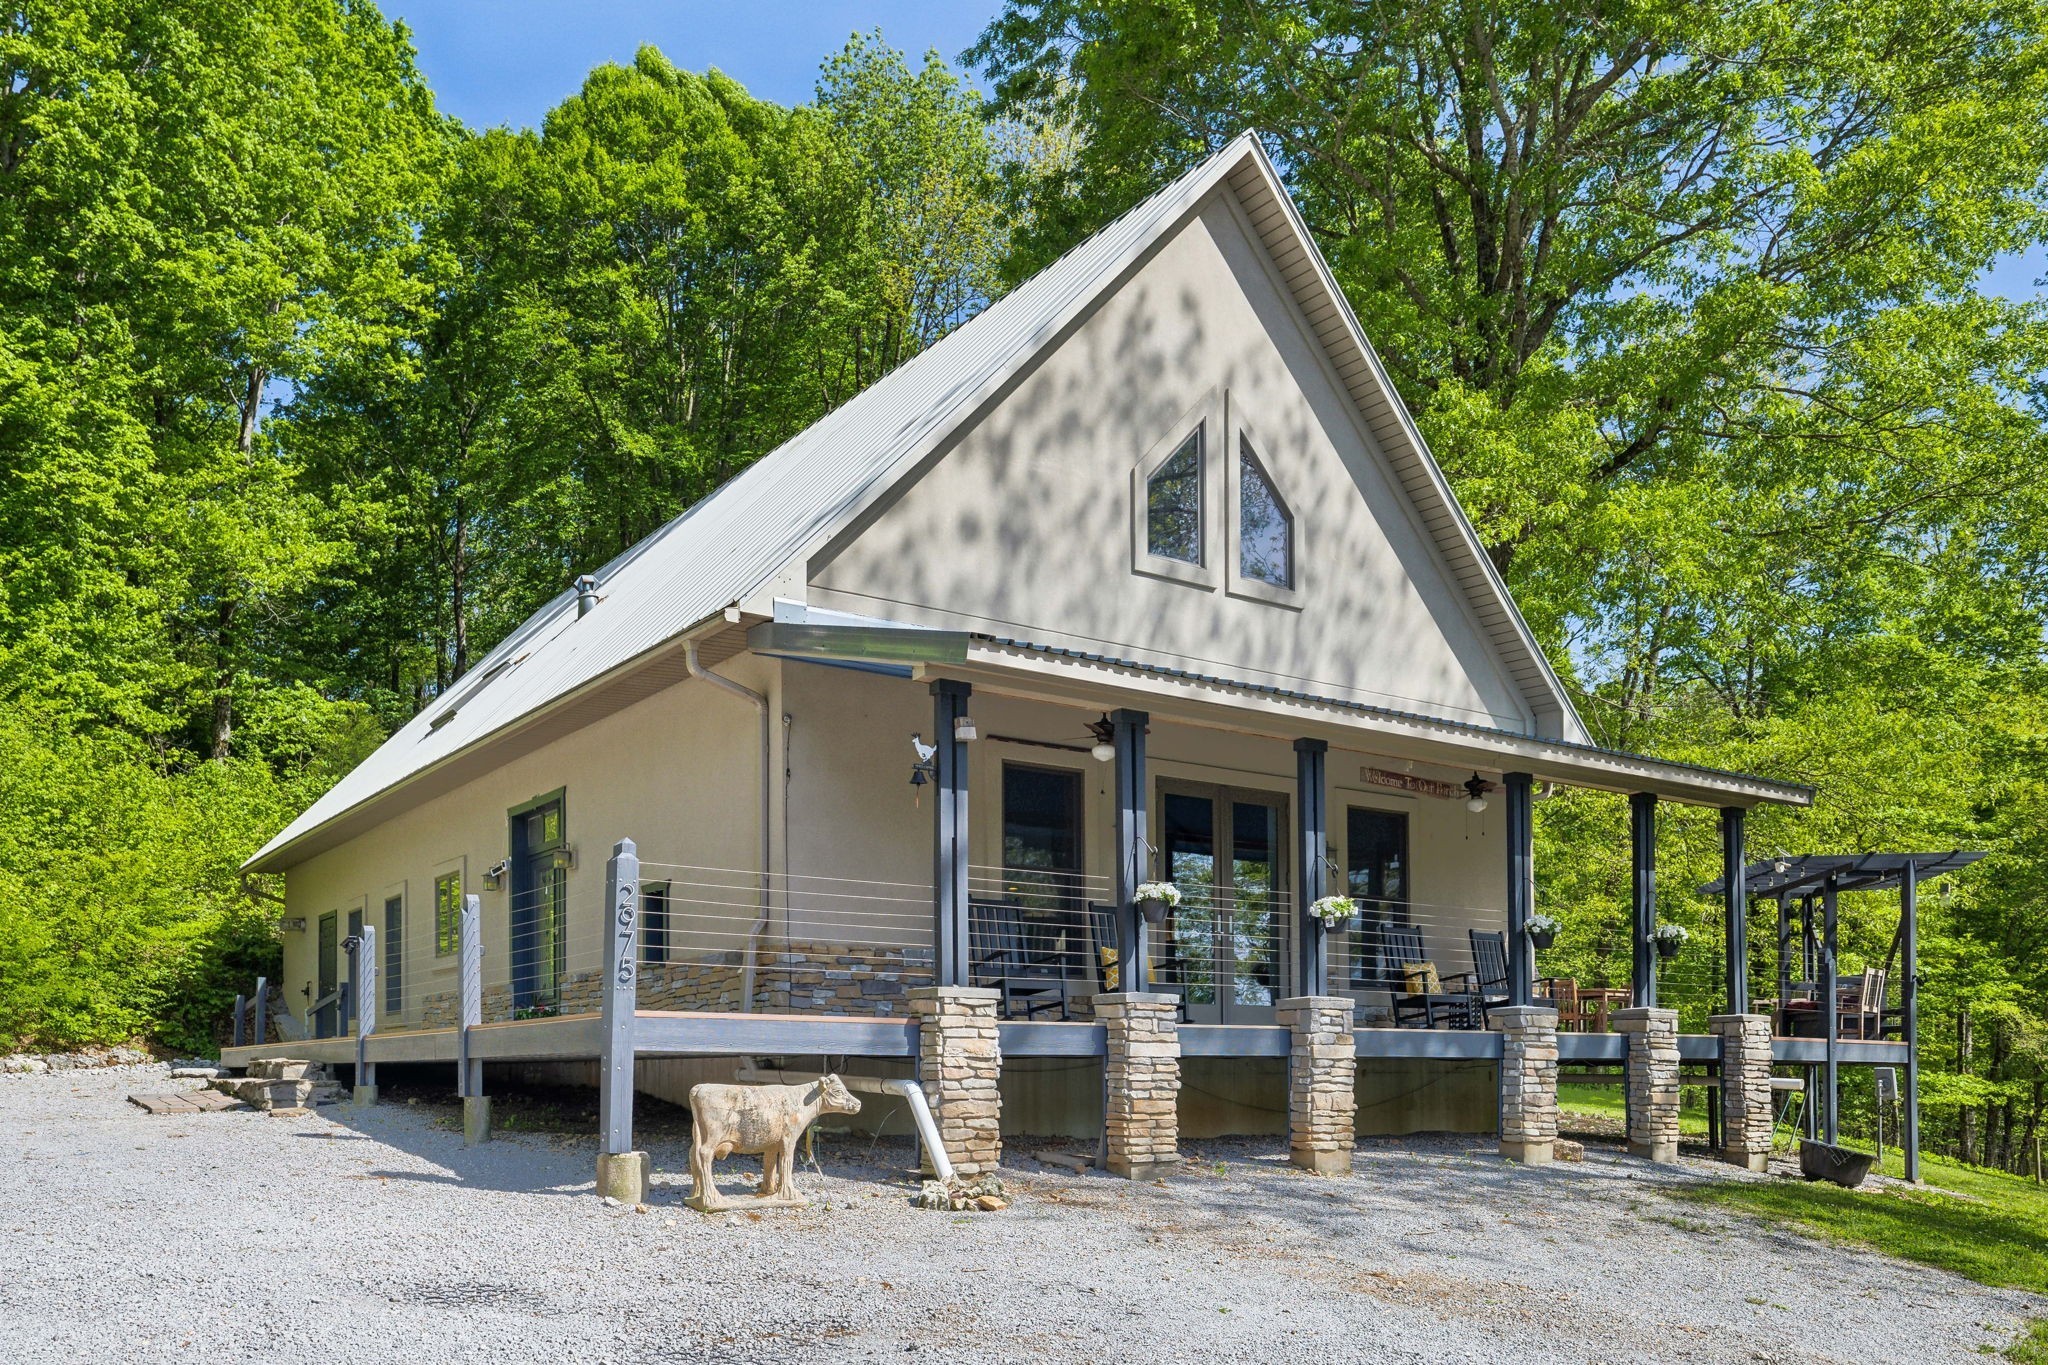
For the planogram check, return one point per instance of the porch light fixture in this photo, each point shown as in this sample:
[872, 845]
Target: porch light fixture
[1104, 731]
[963, 729]
[1476, 788]
[495, 873]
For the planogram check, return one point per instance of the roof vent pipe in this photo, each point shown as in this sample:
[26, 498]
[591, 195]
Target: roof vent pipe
[586, 593]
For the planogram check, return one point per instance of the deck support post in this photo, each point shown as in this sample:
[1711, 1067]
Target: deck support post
[1521, 841]
[1322, 1077]
[1528, 1083]
[1642, 809]
[241, 1003]
[950, 932]
[1652, 1040]
[959, 1068]
[260, 1024]
[363, 971]
[1746, 1119]
[1141, 1072]
[1831, 1011]
[1909, 1008]
[621, 1171]
[1313, 862]
[469, 1004]
[1133, 949]
[1735, 909]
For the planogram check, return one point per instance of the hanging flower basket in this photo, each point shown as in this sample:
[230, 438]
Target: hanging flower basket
[1156, 899]
[1542, 931]
[1336, 912]
[1669, 939]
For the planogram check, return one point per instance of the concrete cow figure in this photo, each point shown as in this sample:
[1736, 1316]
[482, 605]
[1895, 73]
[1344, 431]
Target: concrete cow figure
[763, 1120]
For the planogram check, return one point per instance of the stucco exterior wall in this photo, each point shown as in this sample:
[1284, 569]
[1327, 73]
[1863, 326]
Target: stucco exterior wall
[1024, 526]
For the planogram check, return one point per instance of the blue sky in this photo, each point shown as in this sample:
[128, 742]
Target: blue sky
[510, 61]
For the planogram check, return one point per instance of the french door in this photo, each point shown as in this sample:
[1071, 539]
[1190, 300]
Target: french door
[540, 908]
[1227, 943]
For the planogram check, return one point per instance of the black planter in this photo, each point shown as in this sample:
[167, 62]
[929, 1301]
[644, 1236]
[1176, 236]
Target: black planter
[1818, 1161]
[1349, 924]
[1667, 948]
[1542, 939]
[1155, 912]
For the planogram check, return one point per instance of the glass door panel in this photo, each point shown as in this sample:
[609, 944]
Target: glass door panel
[1187, 943]
[1254, 904]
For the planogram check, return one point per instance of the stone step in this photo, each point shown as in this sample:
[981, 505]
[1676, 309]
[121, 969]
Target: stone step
[264, 1092]
[285, 1069]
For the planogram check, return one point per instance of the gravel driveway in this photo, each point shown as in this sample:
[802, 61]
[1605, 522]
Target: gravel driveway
[375, 1237]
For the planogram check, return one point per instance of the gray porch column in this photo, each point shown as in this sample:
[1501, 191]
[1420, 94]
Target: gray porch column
[1322, 1072]
[1528, 1083]
[1133, 950]
[363, 968]
[1313, 860]
[469, 1072]
[1521, 840]
[1735, 908]
[621, 1171]
[1652, 1061]
[1642, 810]
[949, 844]
[1909, 1009]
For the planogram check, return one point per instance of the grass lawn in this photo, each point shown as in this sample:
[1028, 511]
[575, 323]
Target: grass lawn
[1986, 1225]
[1608, 1102]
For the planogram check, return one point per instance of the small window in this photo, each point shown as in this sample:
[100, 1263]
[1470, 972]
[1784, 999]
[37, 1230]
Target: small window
[1042, 868]
[394, 955]
[447, 913]
[1173, 504]
[1265, 529]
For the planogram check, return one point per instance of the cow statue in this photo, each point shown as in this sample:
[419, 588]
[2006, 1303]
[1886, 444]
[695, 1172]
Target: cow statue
[763, 1120]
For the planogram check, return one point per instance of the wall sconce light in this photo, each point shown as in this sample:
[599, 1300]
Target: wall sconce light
[565, 857]
[1104, 731]
[494, 875]
[1476, 788]
[295, 925]
[963, 729]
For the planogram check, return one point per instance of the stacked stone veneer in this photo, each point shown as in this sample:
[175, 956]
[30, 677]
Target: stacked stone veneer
[1652, 1041]
[797, 978]
[1322, 1075]
[1142, 1083]
[1528, 1083]
[959, 1067]
[1746, 1126]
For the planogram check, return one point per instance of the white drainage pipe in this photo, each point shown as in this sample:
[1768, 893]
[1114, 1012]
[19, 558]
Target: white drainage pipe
[911, 1093]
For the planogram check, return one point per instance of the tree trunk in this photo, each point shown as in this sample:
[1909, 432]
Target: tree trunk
[223, 725]
[458, 578]
[1966, 1117]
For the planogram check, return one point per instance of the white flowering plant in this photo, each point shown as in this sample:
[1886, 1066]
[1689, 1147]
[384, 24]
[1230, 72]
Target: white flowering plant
[1670, 935]
[1540, 925]
[1330, 909]
[1162, 893]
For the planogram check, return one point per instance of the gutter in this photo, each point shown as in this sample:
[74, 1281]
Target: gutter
[696, 669]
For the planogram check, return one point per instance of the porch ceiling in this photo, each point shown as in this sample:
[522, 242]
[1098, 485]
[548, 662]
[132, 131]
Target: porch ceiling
[1093, 681]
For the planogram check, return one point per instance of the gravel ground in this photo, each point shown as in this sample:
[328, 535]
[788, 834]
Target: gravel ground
[374, 1237]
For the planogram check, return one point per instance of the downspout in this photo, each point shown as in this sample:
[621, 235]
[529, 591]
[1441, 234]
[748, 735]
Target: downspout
[909, 1091]
[760, 704]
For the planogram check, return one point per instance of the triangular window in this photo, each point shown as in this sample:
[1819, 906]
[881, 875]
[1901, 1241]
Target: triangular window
[1265, 528]
[1173, 504]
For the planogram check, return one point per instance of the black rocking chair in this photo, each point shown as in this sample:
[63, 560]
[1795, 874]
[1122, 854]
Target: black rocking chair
[1489, 975]
[1102, 923]
[1030, 983]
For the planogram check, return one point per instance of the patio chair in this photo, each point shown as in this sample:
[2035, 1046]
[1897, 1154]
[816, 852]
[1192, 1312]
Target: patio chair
[1573, 1014]
[1489, 974]
[1109, 973]
[1418, 993]
[1861, 1010]
[1029, 983]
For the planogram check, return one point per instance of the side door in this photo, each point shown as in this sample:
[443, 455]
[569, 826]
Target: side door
[326, 1019]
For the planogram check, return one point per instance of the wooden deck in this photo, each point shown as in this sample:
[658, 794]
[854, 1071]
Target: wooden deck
[707, 1034]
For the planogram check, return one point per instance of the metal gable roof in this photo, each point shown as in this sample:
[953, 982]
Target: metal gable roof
[738, 539]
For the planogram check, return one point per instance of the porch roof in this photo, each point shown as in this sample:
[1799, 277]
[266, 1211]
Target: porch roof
[1083, 677]
[1809, 872]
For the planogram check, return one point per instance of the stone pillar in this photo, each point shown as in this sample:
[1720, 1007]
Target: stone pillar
[1322, 1071]
[1746, 1125]
[1141, 1119]
[1528, 1083]
[959, 1065]
[1652, 1036]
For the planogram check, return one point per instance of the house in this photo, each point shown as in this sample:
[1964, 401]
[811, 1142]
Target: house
[1143, 574]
